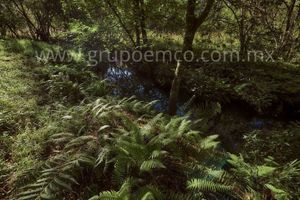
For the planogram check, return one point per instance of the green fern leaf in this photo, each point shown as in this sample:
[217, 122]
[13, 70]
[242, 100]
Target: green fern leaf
[151, 164]
[208, 186]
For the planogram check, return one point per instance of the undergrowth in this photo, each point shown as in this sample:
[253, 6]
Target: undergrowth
[64, 137]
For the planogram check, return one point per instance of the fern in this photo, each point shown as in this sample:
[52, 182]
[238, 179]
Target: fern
[51, 182]
[148, 165]
[122, 194]
[209, 186]
[128, 154]
[181, 196]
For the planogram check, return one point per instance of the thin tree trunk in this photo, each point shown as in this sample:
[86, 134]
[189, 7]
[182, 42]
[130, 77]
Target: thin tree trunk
[189, 36]
[137, 35]
[175, 89]
[136, 11]
[243, 46]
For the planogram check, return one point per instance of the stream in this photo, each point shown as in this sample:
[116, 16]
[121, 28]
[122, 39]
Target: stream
[127, 83]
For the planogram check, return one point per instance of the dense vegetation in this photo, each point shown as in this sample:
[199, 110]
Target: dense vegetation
[71, 128]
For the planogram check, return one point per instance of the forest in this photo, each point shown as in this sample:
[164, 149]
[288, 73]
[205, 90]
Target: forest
[150, 99]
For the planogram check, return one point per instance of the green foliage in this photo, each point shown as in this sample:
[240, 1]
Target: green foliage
[272, 142]
[4, 176]
[208, 186]
[122, 194]
[266, 87]
[27, 47]
[88, 38]
[143, 151]
[72, 83]
[33, 18]
[268, 179]
[18, 107]
[55, 178]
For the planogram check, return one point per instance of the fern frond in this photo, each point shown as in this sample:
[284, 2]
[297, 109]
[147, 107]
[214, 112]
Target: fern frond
[208, 186]
[80, 141]
[180, 196]
[61, 138]
[210, 142]
[109, 195]
[149, 165]
[122, 194]
[58, 176]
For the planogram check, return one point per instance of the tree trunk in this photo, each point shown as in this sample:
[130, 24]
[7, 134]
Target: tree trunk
[187, 45]
[136, 11]
[137, 35]
[192, 24]
[243, 36]
[243, 46]
[175, 89]
[43, 35]
[143, 23]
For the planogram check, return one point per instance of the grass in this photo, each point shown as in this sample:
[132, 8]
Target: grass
[16, 101]
[32, 95]
[20, 115]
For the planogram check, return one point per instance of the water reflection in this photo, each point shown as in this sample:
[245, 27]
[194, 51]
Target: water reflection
[128, 84]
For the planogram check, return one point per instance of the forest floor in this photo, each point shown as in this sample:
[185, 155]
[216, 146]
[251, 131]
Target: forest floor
[16, 83]
[17, 108]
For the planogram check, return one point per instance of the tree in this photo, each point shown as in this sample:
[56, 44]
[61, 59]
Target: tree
[137, 18]
[245, 21]
[122, 23]
[281, 20]
[10, 22]
[272, 25]
[37, 15]
[193, 23]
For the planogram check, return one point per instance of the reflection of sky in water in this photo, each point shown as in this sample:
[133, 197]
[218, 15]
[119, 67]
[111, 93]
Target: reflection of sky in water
[257, 123]
[128, 84]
